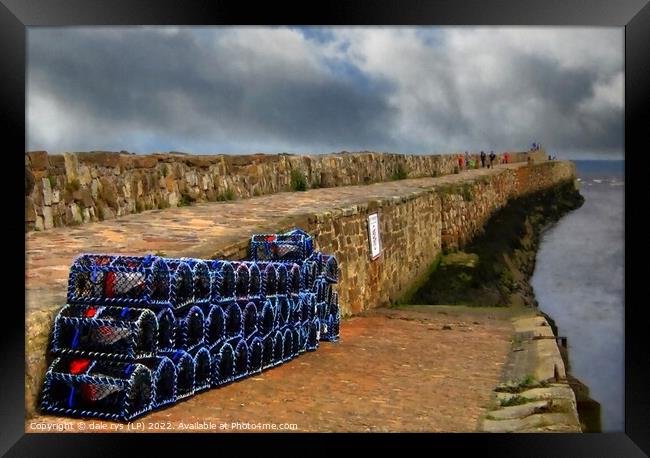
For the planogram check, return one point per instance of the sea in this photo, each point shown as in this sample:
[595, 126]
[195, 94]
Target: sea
[579, 281]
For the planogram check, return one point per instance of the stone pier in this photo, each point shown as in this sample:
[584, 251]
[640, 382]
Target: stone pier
[419, 217]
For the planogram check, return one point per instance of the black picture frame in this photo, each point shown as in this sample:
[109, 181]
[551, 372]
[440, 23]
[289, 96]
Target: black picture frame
[17, 15]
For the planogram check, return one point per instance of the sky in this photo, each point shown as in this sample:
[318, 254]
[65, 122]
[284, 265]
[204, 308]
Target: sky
[306, 90]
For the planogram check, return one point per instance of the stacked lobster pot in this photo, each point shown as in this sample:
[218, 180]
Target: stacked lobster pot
[141, 333]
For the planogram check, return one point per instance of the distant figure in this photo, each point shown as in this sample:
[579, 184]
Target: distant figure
[467, 158]
[506, 157]
[549, 157]
[482, 158]
[461, 162]
[492, 157]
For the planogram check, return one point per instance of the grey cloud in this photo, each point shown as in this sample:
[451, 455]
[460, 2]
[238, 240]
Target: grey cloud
[133, 79]
[143, 89]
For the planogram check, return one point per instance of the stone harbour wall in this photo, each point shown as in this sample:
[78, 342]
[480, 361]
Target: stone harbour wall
[76, 188]
[416, 221]
[416, 228]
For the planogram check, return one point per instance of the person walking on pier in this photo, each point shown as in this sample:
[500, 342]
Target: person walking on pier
[492, 157]
[461, 162]
[467, 159]
[506, 157]
[483, 159]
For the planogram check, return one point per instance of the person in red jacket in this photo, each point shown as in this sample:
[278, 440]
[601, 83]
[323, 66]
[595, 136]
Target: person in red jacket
[506, 157]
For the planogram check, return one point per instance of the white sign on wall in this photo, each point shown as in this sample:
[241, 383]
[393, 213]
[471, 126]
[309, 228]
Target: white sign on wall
[373, 235]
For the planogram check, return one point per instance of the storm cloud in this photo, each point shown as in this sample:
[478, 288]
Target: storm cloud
[244, 90]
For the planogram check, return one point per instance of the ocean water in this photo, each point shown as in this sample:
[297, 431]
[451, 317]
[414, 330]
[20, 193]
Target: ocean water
[579, 282]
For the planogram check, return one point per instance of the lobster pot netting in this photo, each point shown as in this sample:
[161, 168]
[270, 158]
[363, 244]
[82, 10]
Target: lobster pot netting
[166, 330]
[184, 364]
[93, 331]
[269, 281]
[226, 280]
[241, 359]
[202, 280]
[313, 336]
[202, 368]
[233, 320]
[295, 316]
[182, 283]
[278, 348]
[308, 275]
[283, 306]
[292, 246]
[330, 268]
[287, 350]
[295, 280]
[223, 364]
[295, 340]
[163, 380]
[282, 278]
[215, 325]
[249, 319]
[268, 343]
[266, 318]
[242, 282]
[93, 388]
[190, 329]
[120, 280]
[254, 281]
[255, 360]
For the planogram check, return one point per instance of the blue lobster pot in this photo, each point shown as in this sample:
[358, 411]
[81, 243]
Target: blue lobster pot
[202, 368]
[184, 364]
[266, 318]
[291, 246]
[249, 319]
[82, 387]
[225, 281]
[313, 336]
[147, 281]
[182, 283]
[241, 358]
[223, 364]
[166, 330]
[233, 319]
[278, 348]
[330, 332]
[204, 280]
[255, 354]
[254, 280]
[287, 349]
[215, 325]
[295, 281]
[283, 307]
[330, 268]
[163, 380]
[190, 329]
[93, 331]
[268, 348]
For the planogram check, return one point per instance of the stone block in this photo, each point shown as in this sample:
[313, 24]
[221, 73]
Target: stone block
[48, 222]
[71, 166]
[47, 191]
[30, 210]
[38, 160]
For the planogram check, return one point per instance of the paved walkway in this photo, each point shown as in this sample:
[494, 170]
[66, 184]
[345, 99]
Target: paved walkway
[201, 230]
[422, 369]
